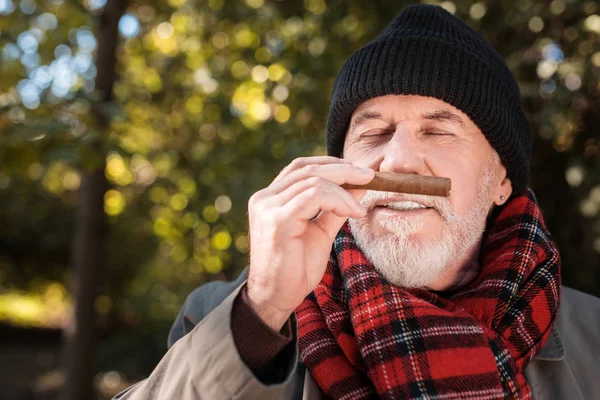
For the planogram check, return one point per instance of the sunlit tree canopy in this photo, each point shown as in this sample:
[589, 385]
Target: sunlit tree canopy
[212, 99]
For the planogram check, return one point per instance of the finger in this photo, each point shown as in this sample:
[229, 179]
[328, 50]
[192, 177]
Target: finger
[316, 216]
[330, 223]
[308, 203]
[267, 199]
[337, 173]
[357, 194]
[298, 163]
[302, 162]
[317, 183]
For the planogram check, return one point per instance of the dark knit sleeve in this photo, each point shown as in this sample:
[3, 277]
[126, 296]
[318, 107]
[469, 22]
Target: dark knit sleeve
[257, 344]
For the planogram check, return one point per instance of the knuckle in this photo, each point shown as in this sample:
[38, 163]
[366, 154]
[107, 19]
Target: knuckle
[286, 170]
[311, 169]
[315, 181]
[254, 200]
[298, 163]
[258, 205]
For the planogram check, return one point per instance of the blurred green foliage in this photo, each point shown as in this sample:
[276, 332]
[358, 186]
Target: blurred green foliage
[213, 98]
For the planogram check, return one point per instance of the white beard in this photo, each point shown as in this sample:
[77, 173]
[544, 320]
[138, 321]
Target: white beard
[409, 262]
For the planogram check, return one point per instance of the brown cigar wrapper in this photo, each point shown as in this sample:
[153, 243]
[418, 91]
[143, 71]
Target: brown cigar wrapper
[406, 183]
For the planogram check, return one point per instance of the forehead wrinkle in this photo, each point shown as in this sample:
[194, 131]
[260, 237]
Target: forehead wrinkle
[444, 116]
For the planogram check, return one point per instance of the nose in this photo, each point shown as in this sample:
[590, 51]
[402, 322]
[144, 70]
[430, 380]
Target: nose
[403, 154]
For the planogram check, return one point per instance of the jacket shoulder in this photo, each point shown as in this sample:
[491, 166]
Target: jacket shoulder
[200, 303]
[580, 310]
[566, 368]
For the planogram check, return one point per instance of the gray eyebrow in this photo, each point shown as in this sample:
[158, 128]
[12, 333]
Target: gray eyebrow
[445, 116]
[366, 115]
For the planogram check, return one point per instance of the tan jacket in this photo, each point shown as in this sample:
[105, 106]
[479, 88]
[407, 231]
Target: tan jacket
[203, 362]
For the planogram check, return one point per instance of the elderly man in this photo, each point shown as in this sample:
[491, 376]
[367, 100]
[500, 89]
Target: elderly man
[357, 294]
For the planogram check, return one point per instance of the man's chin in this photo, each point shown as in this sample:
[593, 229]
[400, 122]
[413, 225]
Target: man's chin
[406, 258]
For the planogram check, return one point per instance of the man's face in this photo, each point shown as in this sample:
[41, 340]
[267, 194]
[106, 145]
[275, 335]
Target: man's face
[424, 136]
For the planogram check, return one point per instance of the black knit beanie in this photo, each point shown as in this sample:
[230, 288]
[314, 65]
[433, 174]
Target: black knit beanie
[427, 51]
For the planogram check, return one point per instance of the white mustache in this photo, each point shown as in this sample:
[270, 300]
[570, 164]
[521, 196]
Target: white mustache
[441, 204]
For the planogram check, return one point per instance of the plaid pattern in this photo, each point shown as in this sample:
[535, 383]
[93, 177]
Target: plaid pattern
[362, 337]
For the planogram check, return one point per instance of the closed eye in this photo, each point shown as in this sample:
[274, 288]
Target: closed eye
[375, 133]
[437, 133]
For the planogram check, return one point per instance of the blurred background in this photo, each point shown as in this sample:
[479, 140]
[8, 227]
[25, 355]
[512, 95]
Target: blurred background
[132, 134]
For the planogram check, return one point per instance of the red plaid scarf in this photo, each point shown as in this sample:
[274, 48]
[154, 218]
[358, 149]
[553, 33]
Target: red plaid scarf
[362, 337]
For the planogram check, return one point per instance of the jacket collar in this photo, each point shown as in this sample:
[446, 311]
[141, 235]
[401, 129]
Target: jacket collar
[553, 349]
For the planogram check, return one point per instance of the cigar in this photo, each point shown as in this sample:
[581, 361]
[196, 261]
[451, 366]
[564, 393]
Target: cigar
[406, 183]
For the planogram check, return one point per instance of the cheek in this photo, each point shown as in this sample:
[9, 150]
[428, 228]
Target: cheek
[464, 192]
[362, 158]
[464, 177]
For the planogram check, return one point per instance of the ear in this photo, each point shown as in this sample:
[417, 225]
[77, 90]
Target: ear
[503, 189]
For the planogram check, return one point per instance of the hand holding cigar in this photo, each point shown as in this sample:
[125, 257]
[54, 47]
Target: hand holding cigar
[406, 183]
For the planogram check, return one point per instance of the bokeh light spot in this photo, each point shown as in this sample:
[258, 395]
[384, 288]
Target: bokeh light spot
[281, 93]
[71, 180]
[316, 47]
[194, 104]
[574, 175]
[262, 55]
[29, 93]
[316, 7]
[449, 6]
[95, 4]
[10, 52]
[27, 7]
[282, 113]
[546, 69]
[276, 72]
[239, 69]
[164, 30]
[592, 23]
[536, 24]
[178, 202]
[557, 7]
[242, 244]
[202, 230]
[129, 25]
[259, 73]
[259, 110]
[210, 214]
[220, 40]
[221, 240]
[47, 21]
[27, 42]
[573, 82]
[213, 265]
[114, 202]
[86, 40]
[223, 204]
[477, 11]
[255, 3]
[6, 7]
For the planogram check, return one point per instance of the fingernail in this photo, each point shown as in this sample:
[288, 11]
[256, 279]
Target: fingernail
[346, 161]
[367, 171]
